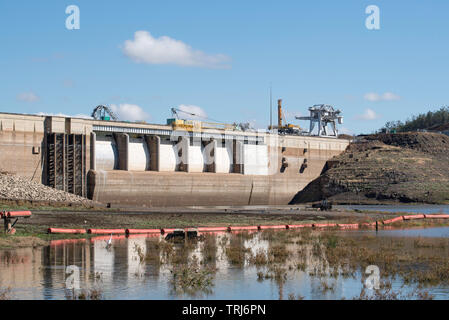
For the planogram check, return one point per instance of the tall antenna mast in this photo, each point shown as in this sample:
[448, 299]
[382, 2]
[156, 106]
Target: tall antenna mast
[271, 108]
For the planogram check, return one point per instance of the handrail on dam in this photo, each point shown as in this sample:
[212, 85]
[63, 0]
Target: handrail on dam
[162, 132]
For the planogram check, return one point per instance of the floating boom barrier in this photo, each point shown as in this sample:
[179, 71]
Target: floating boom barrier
[66, 231]
[252, 228]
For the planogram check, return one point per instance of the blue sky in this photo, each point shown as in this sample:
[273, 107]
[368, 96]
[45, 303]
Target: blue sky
[223, 56]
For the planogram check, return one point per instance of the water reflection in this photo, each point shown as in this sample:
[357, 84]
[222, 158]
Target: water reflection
[140, 267]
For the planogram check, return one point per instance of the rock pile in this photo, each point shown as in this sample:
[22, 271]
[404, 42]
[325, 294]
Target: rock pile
[13, 187]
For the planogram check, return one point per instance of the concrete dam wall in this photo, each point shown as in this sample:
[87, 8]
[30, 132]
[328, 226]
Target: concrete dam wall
[136, 164]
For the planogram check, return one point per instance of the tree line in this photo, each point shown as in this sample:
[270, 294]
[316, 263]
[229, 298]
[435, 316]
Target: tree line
[429, 120]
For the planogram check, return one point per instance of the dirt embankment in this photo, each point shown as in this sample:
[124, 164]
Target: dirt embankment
[403, 167]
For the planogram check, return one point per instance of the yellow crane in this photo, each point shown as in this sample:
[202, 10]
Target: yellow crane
[286, 128]
[195, 125]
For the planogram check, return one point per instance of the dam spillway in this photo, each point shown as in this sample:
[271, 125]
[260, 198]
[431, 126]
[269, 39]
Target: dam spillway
[140, 164]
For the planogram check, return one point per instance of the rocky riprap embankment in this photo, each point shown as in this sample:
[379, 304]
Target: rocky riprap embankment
[13, 187]
[403, 167]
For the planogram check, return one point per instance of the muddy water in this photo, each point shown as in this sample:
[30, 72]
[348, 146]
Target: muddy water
[118, 271]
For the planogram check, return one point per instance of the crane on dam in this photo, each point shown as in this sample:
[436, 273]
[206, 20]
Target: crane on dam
[174, 112]
[102, 112]
[283, 127]
[323, 115]
[186, 124]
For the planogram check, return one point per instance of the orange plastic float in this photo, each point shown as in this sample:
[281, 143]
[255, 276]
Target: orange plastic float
[414, 217]
[437, 216]
[273, 227]
[324, 225]
[237, 228]
[212, 229]
[106, 231]
[142, 231]
[16, 214]
[392, 220]
[296, 226]
[68, 231]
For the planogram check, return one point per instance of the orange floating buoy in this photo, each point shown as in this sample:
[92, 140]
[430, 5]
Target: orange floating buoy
[437, 216]
[273, 227]
[142, 231]
[212, 229]
[106, 231]
[67, 231]
[414, 217]
[235, 228]
[13, 214]
[392, 220]
[295, 226]
[324, 225]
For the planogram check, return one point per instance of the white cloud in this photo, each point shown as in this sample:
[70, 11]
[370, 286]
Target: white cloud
[368, 115]
[387, 96]
[130, 112]
[372, 96]
[192, 112]
[145, 48]
[28, 97]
